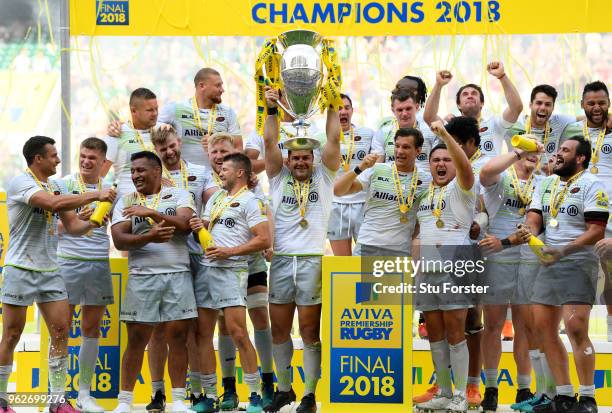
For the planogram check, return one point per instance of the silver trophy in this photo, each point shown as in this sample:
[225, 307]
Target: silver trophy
[302, 75]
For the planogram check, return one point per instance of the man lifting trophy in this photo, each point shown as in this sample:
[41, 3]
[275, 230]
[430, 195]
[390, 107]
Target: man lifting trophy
[301, 193]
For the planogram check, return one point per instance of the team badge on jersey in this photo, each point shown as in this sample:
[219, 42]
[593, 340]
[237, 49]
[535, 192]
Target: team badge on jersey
[601, 199]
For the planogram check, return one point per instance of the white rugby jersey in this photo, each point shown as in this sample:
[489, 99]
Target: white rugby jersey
[290, 238]
[181, 116]
[157, 258]
[381, 224]
[362, 144]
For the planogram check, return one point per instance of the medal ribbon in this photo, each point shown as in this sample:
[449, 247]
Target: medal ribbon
[404, 204]
[437, 211]
[184, 175]
[270, 58]
[198, 120]
[330, 92]
[142, 200]
[220, 206]
[597, 147]
[301, 192]
[140, 139]
[83, 187]
[525, 193]
[556, 198]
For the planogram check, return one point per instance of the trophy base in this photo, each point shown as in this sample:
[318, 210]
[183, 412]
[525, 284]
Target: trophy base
[302, 143]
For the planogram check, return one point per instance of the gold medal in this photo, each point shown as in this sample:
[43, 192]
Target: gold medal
[304, 223]
[403, 208]
[553, 222]
[594, 170]
[404, 218]
[521, 211]
[440, 224]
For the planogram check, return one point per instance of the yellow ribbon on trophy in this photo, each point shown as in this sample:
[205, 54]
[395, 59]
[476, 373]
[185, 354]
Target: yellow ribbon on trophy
[330, 92]
[270, 59]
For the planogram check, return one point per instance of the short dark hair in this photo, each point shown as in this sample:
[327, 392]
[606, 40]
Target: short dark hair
[416, 134]
[435, 148]
[95, 144]
[403, 95]
[473, 86]
[421, 90]
[345, 96]
[583, 148]
[147, 155]
[203, 74]
[595, 86]
[240, 161]
[548, 90]
[464, 128]
[36, 146]
[141, 93]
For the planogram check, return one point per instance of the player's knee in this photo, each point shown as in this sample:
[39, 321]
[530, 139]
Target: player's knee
[239, 335]
[310, 333]
[577, 328]
[11, 336]
[92, 331]
[259, 318]
[58, 331]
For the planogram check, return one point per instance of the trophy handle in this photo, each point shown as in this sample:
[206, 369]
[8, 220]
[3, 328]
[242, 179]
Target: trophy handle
[278, 102]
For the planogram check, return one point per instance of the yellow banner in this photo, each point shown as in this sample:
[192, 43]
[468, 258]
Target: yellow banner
[336, 17]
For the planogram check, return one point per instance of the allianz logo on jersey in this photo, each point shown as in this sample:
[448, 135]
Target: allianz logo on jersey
[571, 210]
[427, 207]
[358, 155]
[290, 200]
[41, 211]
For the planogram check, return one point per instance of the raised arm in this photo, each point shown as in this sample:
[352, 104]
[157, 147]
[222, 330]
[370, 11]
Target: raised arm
[69, 202]
[330, 156]
[273, 157]
[491, 171]
[515, 105]
[258, 165]
[432, 105]
[465, 175]
[347, 183]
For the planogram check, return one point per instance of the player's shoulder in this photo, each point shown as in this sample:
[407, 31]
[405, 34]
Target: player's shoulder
[424, 176]
[172, 192]
[20, 181]
[385, 122]
[197, 170]
[225, 108]
[363, 132]
[588, 180]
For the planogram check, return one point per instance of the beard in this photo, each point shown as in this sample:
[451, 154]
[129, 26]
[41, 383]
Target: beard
[566, 169]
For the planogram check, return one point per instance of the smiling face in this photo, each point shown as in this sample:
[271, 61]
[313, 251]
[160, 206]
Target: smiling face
[567, 161]
[48, 162]
[441, 167]
[170, 151]
[301, 164]
[146, 175]
[541, 109]
[217, 152]
[596, 105]
[91, 162]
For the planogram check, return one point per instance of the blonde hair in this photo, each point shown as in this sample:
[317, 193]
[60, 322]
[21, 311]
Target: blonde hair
[159, 136]
[220, 137]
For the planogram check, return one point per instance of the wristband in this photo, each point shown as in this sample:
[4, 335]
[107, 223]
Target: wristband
[506, 243]
[357, 170]
[273, 111]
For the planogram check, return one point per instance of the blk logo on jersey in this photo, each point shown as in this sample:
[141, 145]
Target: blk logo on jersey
[170, 211]
[228, 222]
[607, 148]
[572, 210]
[488, 146]
[422, 157]
[550, 148]
[313, 197]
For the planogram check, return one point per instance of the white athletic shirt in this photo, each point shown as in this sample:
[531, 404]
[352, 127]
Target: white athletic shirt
[92, 247]
[256, 142]
[30, 246]
[199, 180]
[457, 213]
[556, 126]
[604, 163]
[157, 258]
[383, 142]
[233, 227]
[120, 149]
[180, 115]
[494, 136]
[586, 194]
[381, 224]
[503, 207]
[363, 142]
[290, 238]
